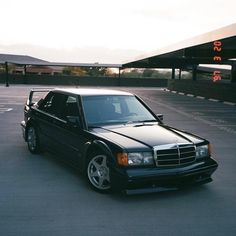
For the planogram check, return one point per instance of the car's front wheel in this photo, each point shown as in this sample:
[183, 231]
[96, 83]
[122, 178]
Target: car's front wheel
[33, 140]
[98, 173]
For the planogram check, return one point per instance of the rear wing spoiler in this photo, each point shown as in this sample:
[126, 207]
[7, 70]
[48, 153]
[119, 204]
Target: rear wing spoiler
[37, 94]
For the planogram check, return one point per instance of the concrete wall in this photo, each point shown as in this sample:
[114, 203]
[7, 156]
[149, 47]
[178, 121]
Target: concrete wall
[209, 89]
[83, 81]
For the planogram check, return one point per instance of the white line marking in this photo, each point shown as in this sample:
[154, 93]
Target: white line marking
[11, 103]
[3, 109]
[200, 97]
[229, 103]
[9, 96]
[213, 100]
[197, 118]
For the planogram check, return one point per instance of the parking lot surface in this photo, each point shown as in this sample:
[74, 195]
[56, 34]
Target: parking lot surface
[41, 196]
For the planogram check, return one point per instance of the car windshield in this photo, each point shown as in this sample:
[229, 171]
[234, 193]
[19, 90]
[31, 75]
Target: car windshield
[114, 109]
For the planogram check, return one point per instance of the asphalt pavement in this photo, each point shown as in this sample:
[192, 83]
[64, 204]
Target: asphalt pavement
[41, 196]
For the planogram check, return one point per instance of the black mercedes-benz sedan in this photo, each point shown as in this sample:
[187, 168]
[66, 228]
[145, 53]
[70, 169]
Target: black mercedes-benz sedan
[115, 139]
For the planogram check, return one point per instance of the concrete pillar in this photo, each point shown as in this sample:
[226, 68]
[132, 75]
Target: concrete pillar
[194, 72]
[119, 82]
[25, 75]
[233, 73]
[7, 74]
[173, 73]
[180, 73]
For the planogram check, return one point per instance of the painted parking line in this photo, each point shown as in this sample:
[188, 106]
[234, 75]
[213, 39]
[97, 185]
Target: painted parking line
[229, 103]
[11, 103]
[213, 100]
[190, 95]
[200, 97]
[5, 109]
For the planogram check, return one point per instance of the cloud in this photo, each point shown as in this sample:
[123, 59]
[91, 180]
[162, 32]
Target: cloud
[79, 55]
[104, 31]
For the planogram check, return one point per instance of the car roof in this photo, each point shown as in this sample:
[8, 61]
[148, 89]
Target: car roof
[91, 92]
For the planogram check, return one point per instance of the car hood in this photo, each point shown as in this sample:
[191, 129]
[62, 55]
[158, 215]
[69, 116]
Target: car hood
[144, 135]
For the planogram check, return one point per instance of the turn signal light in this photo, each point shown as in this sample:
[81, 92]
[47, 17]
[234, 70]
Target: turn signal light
[210, 149]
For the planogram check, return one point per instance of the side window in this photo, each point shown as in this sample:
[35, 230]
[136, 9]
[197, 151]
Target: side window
[71, 106]
[71, 111]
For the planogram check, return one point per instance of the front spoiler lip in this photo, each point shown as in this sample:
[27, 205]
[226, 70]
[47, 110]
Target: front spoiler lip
[168, 181]
[158, 189]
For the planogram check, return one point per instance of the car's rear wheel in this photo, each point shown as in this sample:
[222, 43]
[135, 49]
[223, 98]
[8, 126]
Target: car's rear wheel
[33, 140]
[98, 173]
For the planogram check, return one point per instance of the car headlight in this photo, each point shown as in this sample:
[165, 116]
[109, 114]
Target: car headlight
[135, 158]
[202, 151]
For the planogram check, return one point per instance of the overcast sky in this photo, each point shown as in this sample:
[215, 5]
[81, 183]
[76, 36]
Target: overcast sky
[105, 31]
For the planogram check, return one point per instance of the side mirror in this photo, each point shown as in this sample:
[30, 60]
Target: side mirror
[160, 117]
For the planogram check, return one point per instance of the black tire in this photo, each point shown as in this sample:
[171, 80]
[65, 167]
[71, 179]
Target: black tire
[33, 140]
[98, 173]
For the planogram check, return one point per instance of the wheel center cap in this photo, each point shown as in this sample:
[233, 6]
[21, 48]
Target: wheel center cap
[102, 171]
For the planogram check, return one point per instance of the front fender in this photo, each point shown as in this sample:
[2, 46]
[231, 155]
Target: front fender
[97, 146]
[101, 145]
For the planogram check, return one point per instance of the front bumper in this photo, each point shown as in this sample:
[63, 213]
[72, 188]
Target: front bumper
[145, 180]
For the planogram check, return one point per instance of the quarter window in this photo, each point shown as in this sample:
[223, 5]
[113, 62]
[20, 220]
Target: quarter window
[53, 104]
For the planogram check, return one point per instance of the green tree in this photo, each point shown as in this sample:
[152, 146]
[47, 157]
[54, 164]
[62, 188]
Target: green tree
[77, 71]
[148, 73]
[96, 71]
[133, 73]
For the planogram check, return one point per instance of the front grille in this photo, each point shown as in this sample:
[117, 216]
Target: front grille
[174, 154]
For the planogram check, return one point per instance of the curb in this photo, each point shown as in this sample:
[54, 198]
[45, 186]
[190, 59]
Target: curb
[200, 97]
